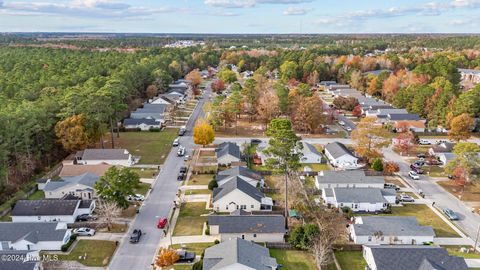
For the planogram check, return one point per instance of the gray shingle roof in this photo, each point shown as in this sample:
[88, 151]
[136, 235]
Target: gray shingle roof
[403, 116]
[398, 257]
[228, 148]
[87, 179]
[239, 184]
[242, 223]
[359, 195]
[238, 251]
[104, 154]
[348, 177]
[158, 108]
[337, 149]
[309, 148]
[45, 207]
[241, 170]
[392, 226]
[31, 231]
[392, 111]
[146, 121]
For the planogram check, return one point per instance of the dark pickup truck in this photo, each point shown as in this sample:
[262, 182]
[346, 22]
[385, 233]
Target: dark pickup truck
[135, 237]
[185, 256]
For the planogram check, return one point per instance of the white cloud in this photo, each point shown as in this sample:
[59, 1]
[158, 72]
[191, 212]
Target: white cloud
[466, 3]
[250, 3]
[296, 11]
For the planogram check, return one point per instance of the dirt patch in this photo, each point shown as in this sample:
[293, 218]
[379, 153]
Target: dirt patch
[470, 192]
[394, 180]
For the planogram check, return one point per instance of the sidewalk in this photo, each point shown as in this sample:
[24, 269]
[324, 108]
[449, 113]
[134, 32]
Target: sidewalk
[453, 241]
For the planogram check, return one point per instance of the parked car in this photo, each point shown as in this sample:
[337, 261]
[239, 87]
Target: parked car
[181, 176]
[84, 217]
[391, 186]
[341, 123]
[84, 231]
[406, 198]
[176, 142]
[186, 158]
[255, 141]
[181, 151]
[185, 256]
[348, 128]
[418, 170]
[135, 237]
[424, 142]
[182, 131]
[413, 175]
[136, 197]
[421, 155]
[450, 214]
[162, 222]
[432, 161]
[183, 169]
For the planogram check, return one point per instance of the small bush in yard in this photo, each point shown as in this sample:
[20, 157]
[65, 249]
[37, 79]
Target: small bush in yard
[377, 165]
[66, 246]
[212, 184]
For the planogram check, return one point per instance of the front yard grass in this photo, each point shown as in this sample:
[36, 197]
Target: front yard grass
[294, 259]
[394, 180]
[198, 248]
[425, 217]
[471, 192]
[316, 167]
[455, 251]
[200, 179]
[434, 171]
[142, 188]
[351, 260]
[190, 221]
[37, 195]
[197, 191]
[152, 147]
[145, 172]
[98, 252]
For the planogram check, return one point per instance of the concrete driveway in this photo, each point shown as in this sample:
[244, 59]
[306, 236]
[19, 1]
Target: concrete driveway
[158, 204]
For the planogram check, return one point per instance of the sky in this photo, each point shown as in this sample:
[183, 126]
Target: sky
[241, 16]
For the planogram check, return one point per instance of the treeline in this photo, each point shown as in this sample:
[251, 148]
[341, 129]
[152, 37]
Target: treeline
[53, 100]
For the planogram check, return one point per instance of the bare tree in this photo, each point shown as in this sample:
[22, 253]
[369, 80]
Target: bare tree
[108, 211]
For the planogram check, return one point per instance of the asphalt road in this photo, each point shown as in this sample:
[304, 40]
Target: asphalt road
[468, 223]
[158, 204]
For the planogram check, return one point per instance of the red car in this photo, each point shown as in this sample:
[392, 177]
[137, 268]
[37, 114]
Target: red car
[162, 222]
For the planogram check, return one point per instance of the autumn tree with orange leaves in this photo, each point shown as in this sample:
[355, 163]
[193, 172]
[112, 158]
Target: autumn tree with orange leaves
[72, 133]
[166, 257]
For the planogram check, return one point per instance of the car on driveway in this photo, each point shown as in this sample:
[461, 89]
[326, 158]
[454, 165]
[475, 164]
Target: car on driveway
[406, 198]
[84, 217]
[135, 237]
[424, 142]
[84, 231]
[341, 123]
[348, 128]
[181, 176]
[421, 155]
[176, 142]
[255, 141]
[136, 197]
[450, 214]
[413, 175]
[185, 256]
[391, 186]
[418, 170]
[162, 222]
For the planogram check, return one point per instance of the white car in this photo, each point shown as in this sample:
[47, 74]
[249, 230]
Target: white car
[406, 198]
[136, 197]
[341, 123]
[84, 231]
[176, 142]
[413, 175]
[348, 128]
[181, 151]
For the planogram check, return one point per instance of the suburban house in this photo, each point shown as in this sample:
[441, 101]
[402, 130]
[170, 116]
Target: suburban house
[444, 147]
[27, 260]
[144, 124]
[239, 194]
[414, 126]
[74, 170]
[114, 157]
[310, 154]
[359, 199]
[41, 182]
[403, 117]
[445, 158]
[81, 186]
[50, 210]
[238, 254]
[384, 112]
[33, 235]
[244, 225]
[389, 230]
[469, 77]
[340, 157]
[348, 179]
[244, 173]
[401, 257]
[148, 114]
[228, 153]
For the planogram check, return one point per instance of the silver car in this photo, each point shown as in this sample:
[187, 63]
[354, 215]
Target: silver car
[84, 231]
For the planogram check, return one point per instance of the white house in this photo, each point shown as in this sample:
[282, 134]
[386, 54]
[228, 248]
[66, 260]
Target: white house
[244, 173]
[55, 210]
[445, 158]
[411, 257]
[310, 154]
[81, 186]
[33, 235]
[389, 230]
[340, 157]
[359, 199]
[244, 225]
[228, 153]
[238, 194]
[238, 254]
[144, 124]
[348, 179]
[116, 157]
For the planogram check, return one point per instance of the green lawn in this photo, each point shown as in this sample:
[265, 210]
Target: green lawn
[99, 252]
[37, 195]
[145, 172]
[197, 191]
[316, 167]
[293, 259]
[142, 188]
[435, 171]
[425, 217]
[153, 147]
[200, 179]
[194, 247]
[6, 218]
[351, 260]
[182, 266]
[189, 221]
[455, 251]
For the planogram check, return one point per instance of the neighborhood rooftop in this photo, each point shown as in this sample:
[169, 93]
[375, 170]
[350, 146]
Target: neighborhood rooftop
[243, 223]
[337, 149]
[361, 195]
[87, 179]
[103, 154]
[228, 148]
[238, 170]
[52, 207]
[352, 176]
[239, 184]
[31, 231]
[391, 225]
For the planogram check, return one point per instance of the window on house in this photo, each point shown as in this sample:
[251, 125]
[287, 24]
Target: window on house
[341, 204]
[254, 235]
[252, 206]
[226, 207]
[39, 217]
[243, 236]
[369, 239]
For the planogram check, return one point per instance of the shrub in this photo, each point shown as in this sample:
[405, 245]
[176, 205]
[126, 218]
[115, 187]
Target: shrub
[207, 231]
[212, 184]
[348, 212]
[377, 165]
[198, 265]
[216, 241]
[154, 129]
[66, 246]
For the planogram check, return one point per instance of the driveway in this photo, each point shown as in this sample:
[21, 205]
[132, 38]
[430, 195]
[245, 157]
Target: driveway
[158, 204]
[468, 223]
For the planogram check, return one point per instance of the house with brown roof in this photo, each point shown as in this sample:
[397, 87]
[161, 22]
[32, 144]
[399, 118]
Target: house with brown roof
[410, 125]
[74, 170]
